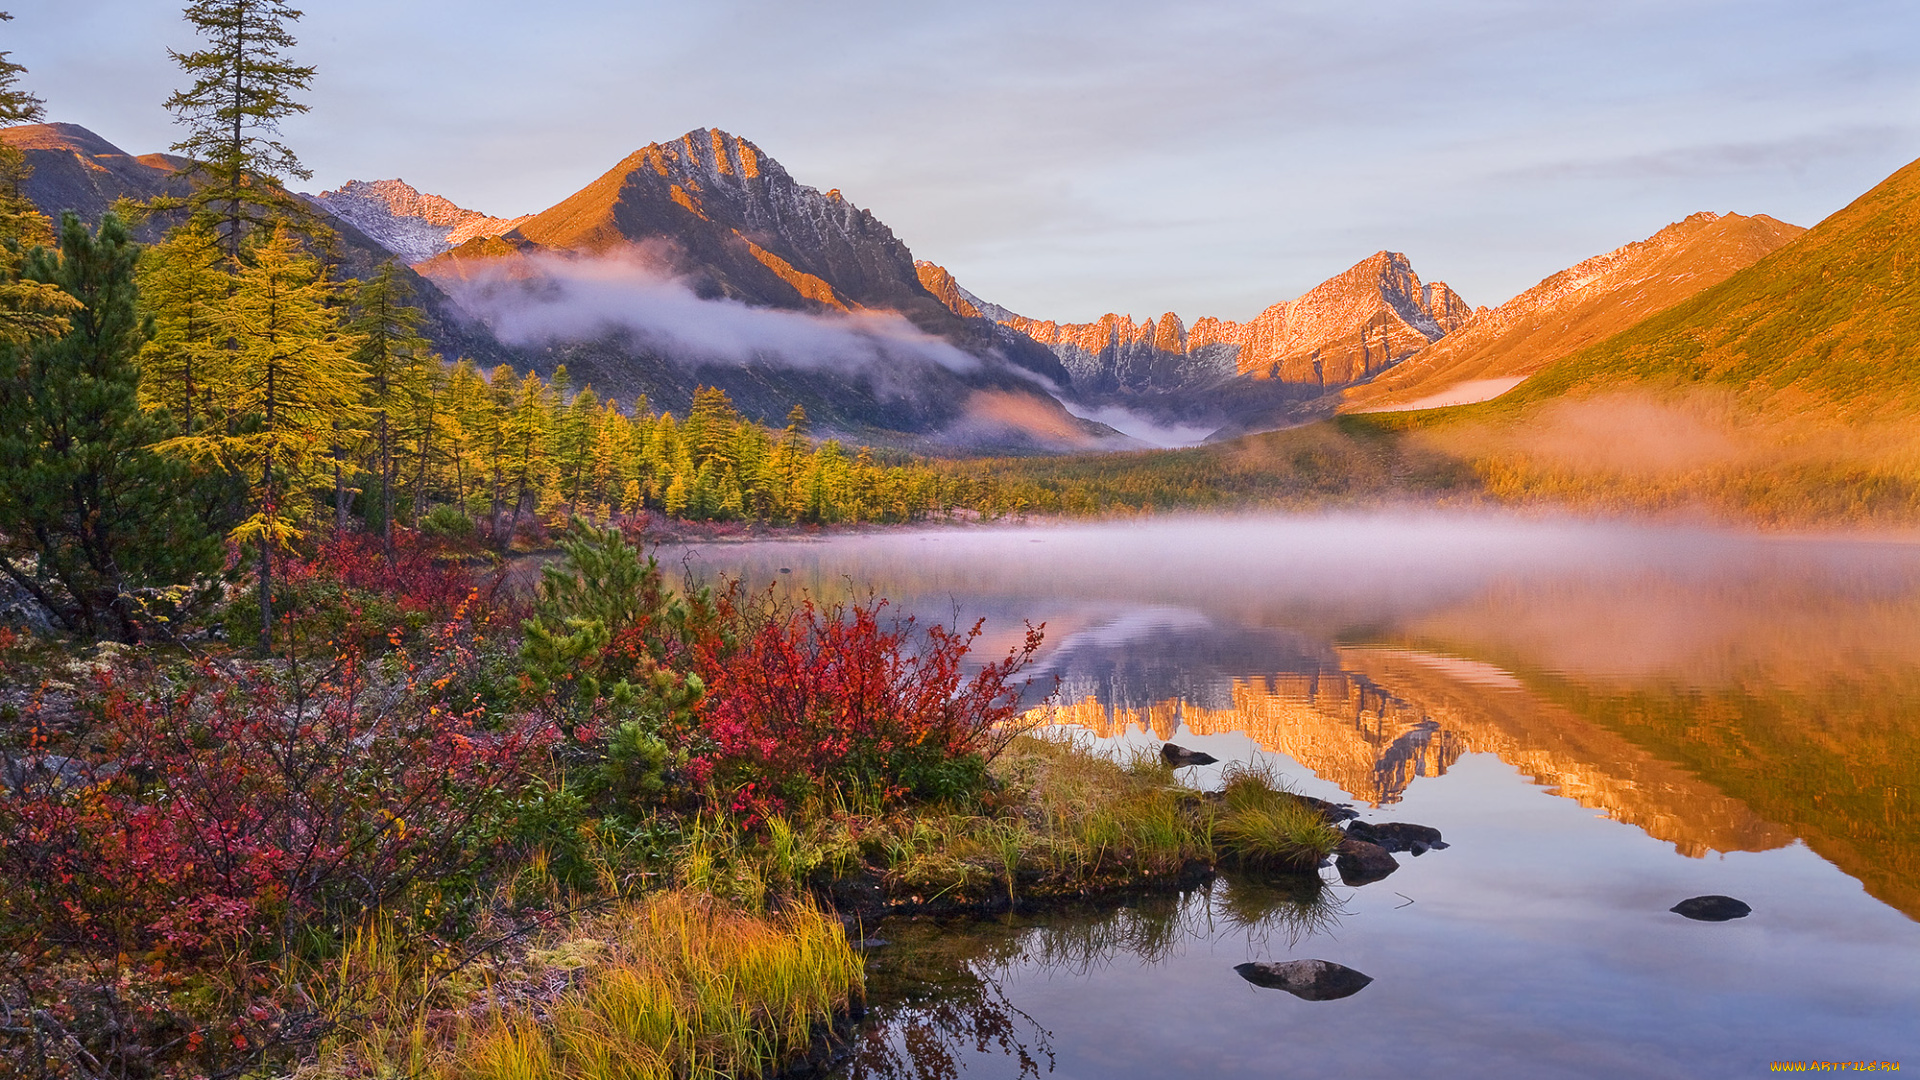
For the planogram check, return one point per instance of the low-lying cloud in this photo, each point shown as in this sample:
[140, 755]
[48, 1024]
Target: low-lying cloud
[1145, 429]
[547, 298]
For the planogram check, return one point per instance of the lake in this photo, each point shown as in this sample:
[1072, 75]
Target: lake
[1601, 719]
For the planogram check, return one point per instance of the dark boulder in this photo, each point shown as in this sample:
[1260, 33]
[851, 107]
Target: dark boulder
[1331, 813]
[1361, 863]
[1180, 757]
[1396, 835]
[1310, 980]
[1712, 908]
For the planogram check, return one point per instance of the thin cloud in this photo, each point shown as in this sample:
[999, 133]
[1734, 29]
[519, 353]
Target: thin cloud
[548, 298]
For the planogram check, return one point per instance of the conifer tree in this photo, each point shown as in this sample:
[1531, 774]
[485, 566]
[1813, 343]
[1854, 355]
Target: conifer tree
[184, 284]
[494, 437]
[81, 489]
[390, 350]
[243, 86]
[16, 105]
[525, 436]
[28, 309]
[469, 421]
[292, 385]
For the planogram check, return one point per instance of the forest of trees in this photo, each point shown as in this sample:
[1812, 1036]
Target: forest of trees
[223, 390]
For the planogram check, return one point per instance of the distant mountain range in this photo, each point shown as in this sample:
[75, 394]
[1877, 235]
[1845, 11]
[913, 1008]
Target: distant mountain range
[702, 261]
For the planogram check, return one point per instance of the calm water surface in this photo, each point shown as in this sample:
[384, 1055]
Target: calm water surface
[1602, 720]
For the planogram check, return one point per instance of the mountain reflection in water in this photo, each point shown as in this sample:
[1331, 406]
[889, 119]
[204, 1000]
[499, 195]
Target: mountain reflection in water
[1742, 712]
[1721, 691]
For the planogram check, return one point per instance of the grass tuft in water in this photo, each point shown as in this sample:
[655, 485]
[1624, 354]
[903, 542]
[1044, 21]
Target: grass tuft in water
[1260, 823]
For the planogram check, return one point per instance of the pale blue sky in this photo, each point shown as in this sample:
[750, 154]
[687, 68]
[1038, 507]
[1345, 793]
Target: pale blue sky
[1070, 158]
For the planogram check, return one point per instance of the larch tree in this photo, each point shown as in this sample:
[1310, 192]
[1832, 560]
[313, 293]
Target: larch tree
[391, 348]
[293, 385]
[243, 87]
[496, 453]
[184, 284]
[525, 435]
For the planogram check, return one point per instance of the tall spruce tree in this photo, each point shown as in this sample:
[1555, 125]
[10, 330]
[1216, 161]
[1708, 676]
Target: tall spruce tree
[82, 492]
[16, 105]
[243, 86]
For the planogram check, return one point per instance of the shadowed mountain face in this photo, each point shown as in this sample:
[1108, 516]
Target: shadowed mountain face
[74, 169]
[1572, 309]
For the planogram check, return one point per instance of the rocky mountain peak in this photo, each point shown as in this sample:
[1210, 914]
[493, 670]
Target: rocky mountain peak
[410, 223]
[1347, 328]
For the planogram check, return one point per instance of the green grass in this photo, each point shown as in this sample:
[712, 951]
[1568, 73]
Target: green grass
[1062, 820]
[1261, 824]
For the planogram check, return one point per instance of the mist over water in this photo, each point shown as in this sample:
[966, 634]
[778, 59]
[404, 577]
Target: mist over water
[1594, 597]
[1602, 718]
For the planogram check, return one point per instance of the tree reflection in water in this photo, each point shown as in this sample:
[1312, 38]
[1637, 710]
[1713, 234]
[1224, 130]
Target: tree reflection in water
[935, 997]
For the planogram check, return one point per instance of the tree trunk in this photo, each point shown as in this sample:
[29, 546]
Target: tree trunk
[266, 566]
[386, 487]
[339, 489]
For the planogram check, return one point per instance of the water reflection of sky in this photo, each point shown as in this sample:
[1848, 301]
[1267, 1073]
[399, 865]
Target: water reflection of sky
[1577, 707]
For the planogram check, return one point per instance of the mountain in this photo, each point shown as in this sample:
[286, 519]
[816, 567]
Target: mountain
[1572, 309]
[1341, 331]
[74, 169]
[707, 237]
[730, 220]
[1827, 325]
[412, 225]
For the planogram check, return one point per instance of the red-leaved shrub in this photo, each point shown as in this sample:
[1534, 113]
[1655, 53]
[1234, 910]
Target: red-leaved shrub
[231, 820]
[813, 699]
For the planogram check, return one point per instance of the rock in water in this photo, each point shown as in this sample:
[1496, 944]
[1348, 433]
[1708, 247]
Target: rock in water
[1361, 863]
[1331, 813]
[1712, 908]
[1180, 757]
[1396, 835]
[1309, 980]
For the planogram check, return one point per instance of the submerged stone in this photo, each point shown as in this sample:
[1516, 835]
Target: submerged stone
[1309, 980]
[1712, 908]
[1180, 757]
[1361, 863]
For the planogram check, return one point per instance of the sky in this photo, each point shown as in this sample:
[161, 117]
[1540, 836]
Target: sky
[1065, 158]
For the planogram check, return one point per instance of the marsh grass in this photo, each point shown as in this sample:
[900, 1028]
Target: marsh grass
[687, 987]
[1062, 819]
[1260, 823]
